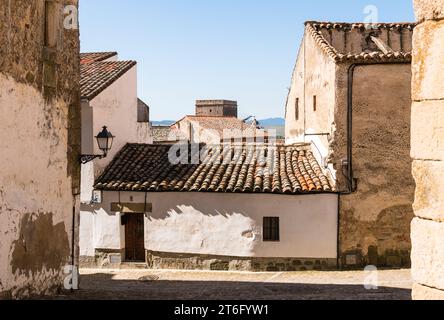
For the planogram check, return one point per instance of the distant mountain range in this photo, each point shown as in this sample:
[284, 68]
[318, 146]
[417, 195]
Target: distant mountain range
[265, 122]
[163, 123]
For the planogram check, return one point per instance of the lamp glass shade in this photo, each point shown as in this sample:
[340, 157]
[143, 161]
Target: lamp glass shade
[105, 140]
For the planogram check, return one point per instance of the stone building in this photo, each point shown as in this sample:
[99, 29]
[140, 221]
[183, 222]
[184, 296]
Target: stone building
[216, 121]
[216, 108]
[428, 150]
[350, 97]
[40, 144]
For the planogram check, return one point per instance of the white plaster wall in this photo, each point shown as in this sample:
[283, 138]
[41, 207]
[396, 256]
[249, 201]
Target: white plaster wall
[33, 174]
[115, 107]
[106, 230]
[220, 224]
[314, 75]
[99, 229]
[86, 234]
[88, 134]
[87, 182]
[295, 128]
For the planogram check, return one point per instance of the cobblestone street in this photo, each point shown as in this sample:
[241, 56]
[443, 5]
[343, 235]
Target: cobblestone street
[202, 285]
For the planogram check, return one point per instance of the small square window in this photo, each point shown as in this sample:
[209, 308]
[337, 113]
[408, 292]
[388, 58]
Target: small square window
[271, 231]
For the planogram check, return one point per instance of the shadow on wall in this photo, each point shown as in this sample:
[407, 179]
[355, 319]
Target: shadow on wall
[231, 224]
[104, 287]
[203, 229]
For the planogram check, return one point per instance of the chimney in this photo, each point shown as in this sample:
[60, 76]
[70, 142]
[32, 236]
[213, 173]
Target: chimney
[216, 108]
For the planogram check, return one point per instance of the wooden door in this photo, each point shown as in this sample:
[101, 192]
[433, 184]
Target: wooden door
[134, 237]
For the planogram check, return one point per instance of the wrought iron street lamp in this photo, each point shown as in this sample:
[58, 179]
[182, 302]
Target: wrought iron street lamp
[105, 142]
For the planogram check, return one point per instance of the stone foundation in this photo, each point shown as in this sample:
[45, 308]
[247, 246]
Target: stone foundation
[104, 258]
[161, 260]
[390, 259]
[112, 259]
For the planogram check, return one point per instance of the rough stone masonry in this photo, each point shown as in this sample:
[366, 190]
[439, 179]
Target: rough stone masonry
[39, 145]
[428, 150]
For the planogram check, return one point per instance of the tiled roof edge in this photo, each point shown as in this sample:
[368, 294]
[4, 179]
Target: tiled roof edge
[298, 173]
[105, 85]
[104, 55]
[374, 57]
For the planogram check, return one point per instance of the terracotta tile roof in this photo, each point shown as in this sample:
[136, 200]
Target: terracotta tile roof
[97, 76]
[90, 57]
[235, 169]
[322, 34]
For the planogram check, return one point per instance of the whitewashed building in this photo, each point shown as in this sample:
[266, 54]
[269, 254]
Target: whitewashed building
[257, 208]
[109, 98]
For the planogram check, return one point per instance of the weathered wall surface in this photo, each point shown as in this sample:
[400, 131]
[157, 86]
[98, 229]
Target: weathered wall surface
[39, 148]
[428, 150]
[314, 76]
[190, 223]
[375, 220]
[294, 110]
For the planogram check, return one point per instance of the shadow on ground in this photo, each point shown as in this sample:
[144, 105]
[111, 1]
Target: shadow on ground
[103, 287]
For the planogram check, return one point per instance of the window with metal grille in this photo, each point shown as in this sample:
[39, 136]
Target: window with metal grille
[271, 229]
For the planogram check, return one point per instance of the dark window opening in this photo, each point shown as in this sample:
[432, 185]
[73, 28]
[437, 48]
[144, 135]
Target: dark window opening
[297, 108]
[271, 231]
[315, 105]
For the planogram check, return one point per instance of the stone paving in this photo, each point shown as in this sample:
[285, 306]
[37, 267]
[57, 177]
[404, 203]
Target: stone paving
[203, 285]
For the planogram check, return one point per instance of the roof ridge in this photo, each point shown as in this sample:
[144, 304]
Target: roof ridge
[110, 62]
[99, 52]
[222, 117]
[312, 27]
[333, 24]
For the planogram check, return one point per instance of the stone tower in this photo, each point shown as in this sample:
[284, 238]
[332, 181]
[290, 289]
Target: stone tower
[216, 108]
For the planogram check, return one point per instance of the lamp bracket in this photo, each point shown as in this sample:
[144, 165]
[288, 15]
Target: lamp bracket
[85, 158]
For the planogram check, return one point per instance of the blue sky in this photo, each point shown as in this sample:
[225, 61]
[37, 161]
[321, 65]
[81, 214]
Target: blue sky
[242, 50]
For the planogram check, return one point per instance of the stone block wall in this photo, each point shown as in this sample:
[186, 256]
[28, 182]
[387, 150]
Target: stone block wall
[428, 150]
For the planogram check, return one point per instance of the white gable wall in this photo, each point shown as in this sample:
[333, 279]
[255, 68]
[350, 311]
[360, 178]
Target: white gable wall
[314, 75]
[116, 108]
